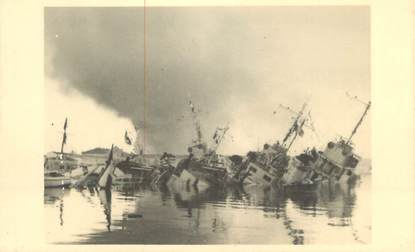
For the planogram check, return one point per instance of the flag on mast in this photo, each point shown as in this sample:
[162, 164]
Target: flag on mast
[127, 139]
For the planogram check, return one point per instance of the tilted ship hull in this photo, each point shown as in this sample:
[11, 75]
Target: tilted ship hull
[164, 171]
[299, 174]
[132, 172]
[203, 172]
[336, 161]
[211, 173]
[266, 166]
[203, 166]
[309, 168]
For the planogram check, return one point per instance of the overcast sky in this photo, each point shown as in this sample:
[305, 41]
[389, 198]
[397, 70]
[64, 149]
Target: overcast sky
[237, 63]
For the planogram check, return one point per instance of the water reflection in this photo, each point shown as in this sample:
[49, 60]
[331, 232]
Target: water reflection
[105, 197]
[170, 215]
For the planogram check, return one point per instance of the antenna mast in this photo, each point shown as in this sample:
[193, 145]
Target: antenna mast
[64, 134]
[295, 126]
[359, 122]
[218, 137]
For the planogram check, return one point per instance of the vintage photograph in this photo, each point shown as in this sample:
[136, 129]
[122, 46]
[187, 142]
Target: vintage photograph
[207, 125]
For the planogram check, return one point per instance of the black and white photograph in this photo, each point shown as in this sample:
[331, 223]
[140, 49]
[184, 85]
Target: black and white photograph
[232, 125]
[207, 125]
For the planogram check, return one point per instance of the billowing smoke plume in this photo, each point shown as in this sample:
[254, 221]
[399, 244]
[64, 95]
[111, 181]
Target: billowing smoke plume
[226, 59]
[100, 53]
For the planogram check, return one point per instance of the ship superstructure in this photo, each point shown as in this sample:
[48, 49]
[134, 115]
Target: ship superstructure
[204, 165]
[265, 166]
[336, 160]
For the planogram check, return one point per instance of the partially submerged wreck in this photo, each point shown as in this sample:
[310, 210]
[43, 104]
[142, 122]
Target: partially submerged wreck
[203, 166]
[270, 164]
[338, 159]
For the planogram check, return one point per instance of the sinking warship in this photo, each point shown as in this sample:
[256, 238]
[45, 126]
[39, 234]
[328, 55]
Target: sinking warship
[121, 168]
[164, 170]
[338, 159]
[203, 166]
[270, 164]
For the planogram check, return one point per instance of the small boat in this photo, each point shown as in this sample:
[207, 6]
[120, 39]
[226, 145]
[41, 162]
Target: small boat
[56, 179]
[55, 176]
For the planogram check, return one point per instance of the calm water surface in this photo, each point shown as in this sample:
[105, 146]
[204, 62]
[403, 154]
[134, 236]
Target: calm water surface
[335, 214]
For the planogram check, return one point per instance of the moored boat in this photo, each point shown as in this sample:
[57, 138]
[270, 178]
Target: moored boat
[58, 166]
[56, 179]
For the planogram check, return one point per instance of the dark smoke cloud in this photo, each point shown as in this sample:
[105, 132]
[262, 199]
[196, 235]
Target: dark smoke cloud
[100, 53]
[217, 55]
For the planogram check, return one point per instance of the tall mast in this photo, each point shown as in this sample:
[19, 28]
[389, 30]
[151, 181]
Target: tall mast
[218, 137]
[299, 127]
[294, 126]
[359, 122]
[64, 134]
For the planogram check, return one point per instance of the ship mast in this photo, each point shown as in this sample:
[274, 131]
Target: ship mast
[296, 126]
[218, 137]
[359, 122]
[299, 128]
[64, 135]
